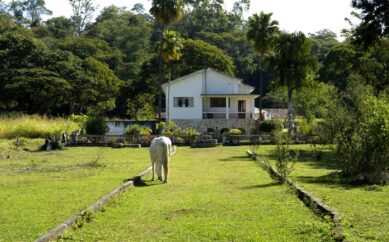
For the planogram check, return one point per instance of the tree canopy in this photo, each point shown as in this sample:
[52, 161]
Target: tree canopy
[82, 64]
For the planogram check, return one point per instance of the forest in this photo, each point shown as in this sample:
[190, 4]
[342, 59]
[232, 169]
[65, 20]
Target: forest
[109, 65]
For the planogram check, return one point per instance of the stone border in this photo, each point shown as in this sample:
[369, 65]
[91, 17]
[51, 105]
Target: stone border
[53, 234]
[311, 201]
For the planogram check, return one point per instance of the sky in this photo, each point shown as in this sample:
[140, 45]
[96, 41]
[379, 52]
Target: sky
[307, 16]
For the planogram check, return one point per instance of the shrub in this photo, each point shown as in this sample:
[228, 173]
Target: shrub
[363, 136]
[80, 120]
[170, 128]
[270, 126]
[137, 130]
[307, 127]
[190, 131]
[285, 157]
[96, 126]
[234, 132]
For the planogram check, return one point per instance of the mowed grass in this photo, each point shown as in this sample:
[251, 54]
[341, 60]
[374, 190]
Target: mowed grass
[39, 190]
[364, 211]
[213, 194]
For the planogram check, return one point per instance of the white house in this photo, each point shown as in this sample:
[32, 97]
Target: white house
[208, 99]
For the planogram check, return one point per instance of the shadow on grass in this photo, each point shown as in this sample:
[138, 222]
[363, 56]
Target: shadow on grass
[326, 161]
[237, 158]
[333, 179]
[142, 183]
[260, 186]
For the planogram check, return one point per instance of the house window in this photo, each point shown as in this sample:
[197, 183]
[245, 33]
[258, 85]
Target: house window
[219, 102]
[183, 102]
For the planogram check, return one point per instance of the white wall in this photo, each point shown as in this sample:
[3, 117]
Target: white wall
[189, 87]
[115, 128]
[220, 84]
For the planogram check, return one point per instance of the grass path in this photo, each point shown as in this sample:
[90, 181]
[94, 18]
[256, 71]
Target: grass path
[213, 194]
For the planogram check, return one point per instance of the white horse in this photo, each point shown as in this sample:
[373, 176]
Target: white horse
[161, 150]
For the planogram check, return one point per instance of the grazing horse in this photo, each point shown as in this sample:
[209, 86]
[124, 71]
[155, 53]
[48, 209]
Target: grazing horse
[161, 150]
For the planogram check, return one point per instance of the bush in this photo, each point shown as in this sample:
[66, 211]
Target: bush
[234, 132]
[270, 127]
[170, 128]
[363, 136]
[307, 127]
[190, 131]
[80, 120]
[137, 130]
[96, 126]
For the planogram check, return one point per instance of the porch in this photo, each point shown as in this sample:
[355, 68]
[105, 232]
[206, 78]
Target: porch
[228, 106]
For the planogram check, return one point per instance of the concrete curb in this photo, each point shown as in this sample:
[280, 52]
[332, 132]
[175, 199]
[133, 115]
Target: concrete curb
[310, 200]
[53, 234]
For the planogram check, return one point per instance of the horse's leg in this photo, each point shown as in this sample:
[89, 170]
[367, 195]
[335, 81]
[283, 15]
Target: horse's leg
[166, 170]
[153, 169]
[159, 170]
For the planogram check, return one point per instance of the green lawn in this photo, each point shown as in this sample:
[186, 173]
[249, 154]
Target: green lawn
[39, 190]
[213, 194]
[365, 214]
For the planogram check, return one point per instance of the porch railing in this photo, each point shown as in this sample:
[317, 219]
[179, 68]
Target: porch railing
[222, 115]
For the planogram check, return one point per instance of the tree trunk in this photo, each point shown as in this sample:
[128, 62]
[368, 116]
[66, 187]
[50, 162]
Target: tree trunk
[260, 87]
[290, 107]
[168, 94]
[160, 78]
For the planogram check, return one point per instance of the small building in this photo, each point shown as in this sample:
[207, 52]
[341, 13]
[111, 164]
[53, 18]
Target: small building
[119, 127]
[210, 100]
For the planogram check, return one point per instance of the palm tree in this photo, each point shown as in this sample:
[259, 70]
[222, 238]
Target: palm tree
[262, 31]
[165, 12]
[172, 46]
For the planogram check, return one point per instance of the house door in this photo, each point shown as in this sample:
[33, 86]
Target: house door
[242, 109]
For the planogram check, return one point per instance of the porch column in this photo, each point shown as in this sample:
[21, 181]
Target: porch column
[253, 103]
[227, 109]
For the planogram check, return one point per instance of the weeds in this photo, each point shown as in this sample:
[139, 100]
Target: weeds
[86, 217]
[34, 126]
[96, 163]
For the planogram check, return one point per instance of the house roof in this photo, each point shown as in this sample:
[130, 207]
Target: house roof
[202, 71]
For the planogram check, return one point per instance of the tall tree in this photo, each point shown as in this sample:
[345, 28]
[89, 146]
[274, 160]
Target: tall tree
[83, 11]
[294, 64]
[172, 51]
[3, 7]
[262, 31]
[59, 27]
[29, 12]
[375, 21]
[165, 12]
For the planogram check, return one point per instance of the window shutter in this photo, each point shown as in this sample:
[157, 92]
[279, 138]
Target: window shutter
[191, 102]
[176, 102]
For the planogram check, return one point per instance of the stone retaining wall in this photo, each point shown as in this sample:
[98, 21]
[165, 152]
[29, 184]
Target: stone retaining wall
[216, 124]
